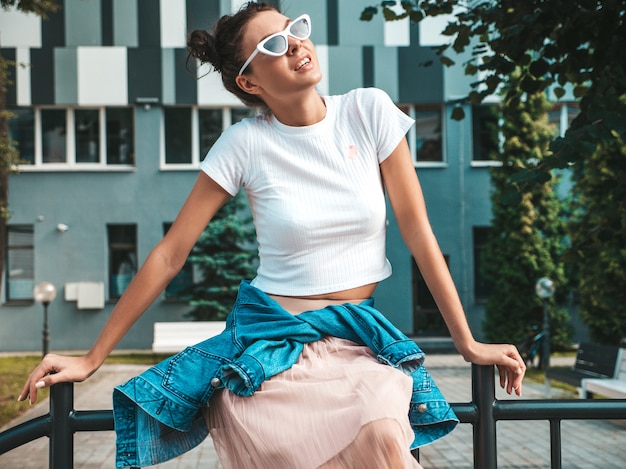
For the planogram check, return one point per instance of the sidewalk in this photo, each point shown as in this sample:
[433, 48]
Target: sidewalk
[586, 444]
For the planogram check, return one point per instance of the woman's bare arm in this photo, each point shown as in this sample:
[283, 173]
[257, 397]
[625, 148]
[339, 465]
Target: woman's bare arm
[407, 200]
[161, 265]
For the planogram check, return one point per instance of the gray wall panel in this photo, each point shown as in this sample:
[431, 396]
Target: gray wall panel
[345, 69]
[353, 31]
[125, 23]
[65, 75]
[419, 84]
[186, 84]
[106, 22]
[144, 73]
[386, 70]
[149, 21]
[83, 25]
[202, 14]
[42, 76]
[168, 76]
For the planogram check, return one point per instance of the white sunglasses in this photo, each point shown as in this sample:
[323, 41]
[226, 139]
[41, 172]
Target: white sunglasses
[277, 44]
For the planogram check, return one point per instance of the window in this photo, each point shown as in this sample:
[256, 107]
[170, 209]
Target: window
[189, 132]
[485, 132]
[78, 138]
[122, 257]
[240, 113]
[53, 136]
[210, 123]
[426, 136]
[177, 288]
[482, 285]
[22, 132]
[87, 135]
[427, 320]
[562, 116]
[20, 263]
[177, 135]
[120, 136]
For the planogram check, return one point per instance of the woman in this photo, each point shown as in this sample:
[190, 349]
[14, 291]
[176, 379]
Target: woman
[295, 380]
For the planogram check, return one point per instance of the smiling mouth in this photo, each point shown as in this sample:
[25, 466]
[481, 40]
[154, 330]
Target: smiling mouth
[302, 63]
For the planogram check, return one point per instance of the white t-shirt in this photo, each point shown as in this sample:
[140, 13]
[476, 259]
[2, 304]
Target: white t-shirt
[315, 192]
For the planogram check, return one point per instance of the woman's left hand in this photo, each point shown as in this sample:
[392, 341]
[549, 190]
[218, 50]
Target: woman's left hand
[506, 358]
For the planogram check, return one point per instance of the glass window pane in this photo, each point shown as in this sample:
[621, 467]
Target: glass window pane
[573, 109]
[22, 133]
[427, 320]
[210, 123]
[120, 136]
[177, 288]
[485, 132]
[482, 285]
[20, 263]
[87, 135]
[428, 135]
[554, 118]
[122, 257]
[53, 134]
[177, 135]
[240, 113]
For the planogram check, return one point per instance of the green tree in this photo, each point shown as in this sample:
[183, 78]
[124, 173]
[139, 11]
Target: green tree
[224, 254]
[556, 44]
[598, 238]
[552, 43]
[527, 237]
[9, 154]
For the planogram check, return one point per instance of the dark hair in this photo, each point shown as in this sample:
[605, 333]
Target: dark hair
[222, 48]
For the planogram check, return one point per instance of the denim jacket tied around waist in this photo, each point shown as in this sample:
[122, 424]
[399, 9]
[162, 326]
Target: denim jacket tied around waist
[158, 414]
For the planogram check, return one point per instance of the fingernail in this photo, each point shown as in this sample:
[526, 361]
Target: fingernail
[40, 384]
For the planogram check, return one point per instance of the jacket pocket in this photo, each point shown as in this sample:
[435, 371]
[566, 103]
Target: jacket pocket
[189, 375]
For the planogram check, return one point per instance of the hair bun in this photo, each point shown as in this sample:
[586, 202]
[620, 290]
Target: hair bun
[201, 45]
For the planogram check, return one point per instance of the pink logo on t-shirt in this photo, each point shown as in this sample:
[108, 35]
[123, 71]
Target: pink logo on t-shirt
[352, 152]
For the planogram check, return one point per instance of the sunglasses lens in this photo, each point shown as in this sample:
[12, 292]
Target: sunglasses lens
[300, 29]
[276, 44]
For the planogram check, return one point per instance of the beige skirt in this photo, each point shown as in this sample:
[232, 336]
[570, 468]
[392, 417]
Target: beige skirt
[336, 408]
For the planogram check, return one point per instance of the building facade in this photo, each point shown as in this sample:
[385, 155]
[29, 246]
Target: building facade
[112, 126]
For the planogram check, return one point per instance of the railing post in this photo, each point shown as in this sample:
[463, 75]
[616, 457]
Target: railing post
[484, 396]
[62, 434]
[555, 443]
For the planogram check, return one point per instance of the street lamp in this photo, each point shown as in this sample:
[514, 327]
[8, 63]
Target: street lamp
[44, 293]
[544, 288]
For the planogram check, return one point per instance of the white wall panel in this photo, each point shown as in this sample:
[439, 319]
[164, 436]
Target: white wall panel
[235, 5]
[22, 81]
[398, 33]
[431, 28]
[102, 76]
[173, 23]
[212, 92]
[19, 29]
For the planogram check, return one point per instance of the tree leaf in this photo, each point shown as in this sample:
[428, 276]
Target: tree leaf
[457, 113]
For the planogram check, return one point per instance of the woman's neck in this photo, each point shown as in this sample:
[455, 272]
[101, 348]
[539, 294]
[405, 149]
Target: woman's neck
[300, 111]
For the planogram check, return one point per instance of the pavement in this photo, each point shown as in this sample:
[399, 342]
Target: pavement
[525, 444]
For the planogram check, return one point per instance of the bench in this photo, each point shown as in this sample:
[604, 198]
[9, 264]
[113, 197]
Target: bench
[172, 337]
[592, 361]
[614, 388]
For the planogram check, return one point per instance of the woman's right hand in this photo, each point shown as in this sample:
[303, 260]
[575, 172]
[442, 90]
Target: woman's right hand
[56, 369]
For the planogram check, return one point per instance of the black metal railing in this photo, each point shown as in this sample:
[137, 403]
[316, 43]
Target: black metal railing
[483, 412]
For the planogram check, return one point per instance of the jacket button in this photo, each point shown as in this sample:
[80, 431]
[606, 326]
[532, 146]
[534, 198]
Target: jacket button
[216, 382]
[422, 408]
